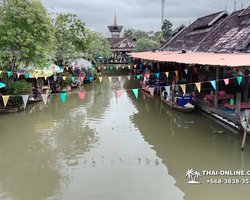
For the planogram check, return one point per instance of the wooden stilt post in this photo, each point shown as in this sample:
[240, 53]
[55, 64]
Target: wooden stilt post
[217, 88]
[237, 106]
[246, 84]
[244, 140]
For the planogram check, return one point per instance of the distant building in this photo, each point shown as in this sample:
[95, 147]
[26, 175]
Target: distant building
[119, 44]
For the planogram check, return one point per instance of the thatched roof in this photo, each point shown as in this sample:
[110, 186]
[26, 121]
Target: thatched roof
[122, 44]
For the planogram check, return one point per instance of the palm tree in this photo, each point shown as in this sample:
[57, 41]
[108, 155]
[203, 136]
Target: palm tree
[190, 174]
[196, 175]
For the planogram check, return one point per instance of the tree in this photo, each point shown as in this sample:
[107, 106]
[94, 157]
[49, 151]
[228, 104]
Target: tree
[145, 44]
[138, 34]
[26, 34]
[99, 46]
[71, 38]
[166, 28]
[129, 33]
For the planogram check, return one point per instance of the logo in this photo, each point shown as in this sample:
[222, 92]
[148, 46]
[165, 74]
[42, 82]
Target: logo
[193, 175]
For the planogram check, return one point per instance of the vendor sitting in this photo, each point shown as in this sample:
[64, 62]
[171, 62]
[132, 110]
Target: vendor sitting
[74, 83]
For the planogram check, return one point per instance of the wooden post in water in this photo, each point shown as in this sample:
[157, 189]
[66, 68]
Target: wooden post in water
[237, 106]
[246, 84]
[244, 140]
[217, 88]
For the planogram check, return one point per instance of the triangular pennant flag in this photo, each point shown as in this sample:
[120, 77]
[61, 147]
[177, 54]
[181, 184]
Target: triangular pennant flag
[64, 78]
[119, 93]
[147, 75]
[73, 78]
[105, 67]
[9, 73]
[25, 99]
[167, 88]
[45, 77]
[82, 78]
[195, 69]
[239, 78]
[186, 71]
[73, 68]
[151, 90]
[119, 78]
[81, 95]
[183, 87]
[5, 99]
[45, 97]
[157, 75]
[140, 65]
[138, 76]
[129, 66]
[111, 60]
[0, 72]
[136, 92]
[134, 66]
[99, 68]
[18, 74]
[213, 84]
[60, 68]
[128, 77]
[67, 68]
[93, 68]
[110, 78]
[100, 79]
[198, 85]
[63, 97]
[36, 77]
[122, 67]
[167, 74]
[54, 67]
[176, 73]
[115, 60]
[90, 79]
[111, 68]
[116, 68]
[226, 81]
[55, 77]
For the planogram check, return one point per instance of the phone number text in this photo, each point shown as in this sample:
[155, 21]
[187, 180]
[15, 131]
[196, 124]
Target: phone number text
[228, 181]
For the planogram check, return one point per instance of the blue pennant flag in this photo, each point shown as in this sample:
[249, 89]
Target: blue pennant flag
[27, 75]
[63, 96]
[90, 79]
[157, 75]
[136, 92]
[9, 73]
[73, 79]
[140, 65]
[213, 84]
[239, 78]
[111, 68]
[60, 67]
[138, 76]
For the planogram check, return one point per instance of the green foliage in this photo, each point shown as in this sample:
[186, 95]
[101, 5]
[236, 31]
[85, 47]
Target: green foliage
[96, 74]
[138, 34]
[26, 33]
[68, 79]
[18, 88]
[71, 38]
[99, 46]
[145, 44]
[166, 28]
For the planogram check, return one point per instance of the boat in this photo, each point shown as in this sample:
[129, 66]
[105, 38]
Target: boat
[188, 107]
[146, 94]
[145, 87]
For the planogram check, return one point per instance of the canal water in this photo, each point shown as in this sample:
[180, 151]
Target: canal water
[104, 147]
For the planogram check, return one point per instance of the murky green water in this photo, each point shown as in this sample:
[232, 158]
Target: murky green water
[103, 148]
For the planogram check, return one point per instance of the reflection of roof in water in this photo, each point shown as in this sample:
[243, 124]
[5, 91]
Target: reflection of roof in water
[82, 63]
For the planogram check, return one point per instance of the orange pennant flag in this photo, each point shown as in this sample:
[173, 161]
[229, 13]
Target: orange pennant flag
[67, 68]
[198, 85]
[176, 72]
[5, 99]
[183, 87]
[110, 78]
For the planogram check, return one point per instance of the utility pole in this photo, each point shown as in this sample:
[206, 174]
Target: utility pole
[162, 11]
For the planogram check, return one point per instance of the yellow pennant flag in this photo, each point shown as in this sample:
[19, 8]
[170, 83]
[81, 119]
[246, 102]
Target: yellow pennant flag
[198, 85]
[110, 79]
[115, 60]
[183, 87]
[0, 72]
[67, 68]
[129, 66]
[45, 77]
[176, 73]
[5, 99]
[167, 74]
[100, 79]
[64, 78]
[73, 68]
[135, 66]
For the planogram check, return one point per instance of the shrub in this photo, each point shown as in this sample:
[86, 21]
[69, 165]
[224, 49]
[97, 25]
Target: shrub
[96, 74]
[68, 79]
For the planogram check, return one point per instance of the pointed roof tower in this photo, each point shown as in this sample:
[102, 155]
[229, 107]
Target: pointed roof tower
[115, 30]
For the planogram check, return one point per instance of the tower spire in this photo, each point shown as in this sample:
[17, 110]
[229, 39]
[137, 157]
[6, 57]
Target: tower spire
[115, 21]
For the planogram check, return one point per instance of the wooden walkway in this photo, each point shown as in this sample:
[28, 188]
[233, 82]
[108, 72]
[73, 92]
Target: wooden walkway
[219, 114]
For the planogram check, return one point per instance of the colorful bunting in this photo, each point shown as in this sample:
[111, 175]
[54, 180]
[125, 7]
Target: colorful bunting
[82, 78]
[239, 78]
[9, 73]
[111, 68]
[110, 78]
[122, 67]
[183, 87]
[100, 79]
[25, 99]
[167, 88]
[55, 77]
[186, 71]
[140, 65]
[119, 93]
[45, 97]
[157, 75]
[73, 78]
[147, 75]
[36, 77]
[138, 76]
[81, 95]
[136, 92]
[60, 67]
[5, 99]
[198, 85]
[213, 84]
[54, 67]
[2, 85]
[119, 78]
[90, 79]
[176, 72]
[134, 66]
[129, 66]
[226, 81]
[111, 60]
[195, 69]
[93, 68]
[99, 68]
[151, 90]
[64, 78]
[67, 68]
[63, 97]
[105, 67]
[18, 74]
[167, 74]
[73, 68]
[128, 77]
[45, 77]
[0, 72]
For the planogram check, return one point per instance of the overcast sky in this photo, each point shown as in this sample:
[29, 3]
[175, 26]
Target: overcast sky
[140, 14]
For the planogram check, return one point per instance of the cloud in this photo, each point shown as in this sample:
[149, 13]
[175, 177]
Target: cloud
[140, 14]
